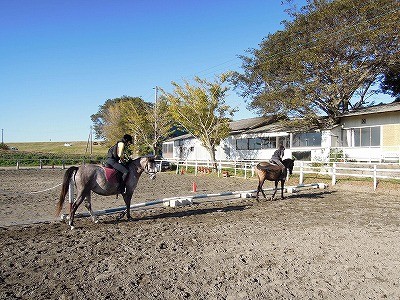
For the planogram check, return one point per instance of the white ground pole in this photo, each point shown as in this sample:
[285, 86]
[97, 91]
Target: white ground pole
[188, 200]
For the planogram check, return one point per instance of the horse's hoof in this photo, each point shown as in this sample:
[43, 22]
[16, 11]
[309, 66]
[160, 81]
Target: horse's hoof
[120, 216]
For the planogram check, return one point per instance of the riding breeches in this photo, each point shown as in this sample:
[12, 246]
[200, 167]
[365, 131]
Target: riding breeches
[277, 162]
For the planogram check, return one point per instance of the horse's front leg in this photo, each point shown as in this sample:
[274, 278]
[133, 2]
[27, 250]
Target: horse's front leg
[282, 187]
[127, 199]
[88, 205]
[276, 188]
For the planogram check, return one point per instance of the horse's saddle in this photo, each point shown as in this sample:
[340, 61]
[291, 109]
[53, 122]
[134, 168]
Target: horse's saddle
[112, 175]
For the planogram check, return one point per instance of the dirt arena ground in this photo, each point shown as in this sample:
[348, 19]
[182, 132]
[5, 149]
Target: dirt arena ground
[338, 243]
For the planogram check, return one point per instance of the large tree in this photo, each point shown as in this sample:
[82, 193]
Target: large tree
[149, 124]
[326, 60]
[201, 110]
[106, 117]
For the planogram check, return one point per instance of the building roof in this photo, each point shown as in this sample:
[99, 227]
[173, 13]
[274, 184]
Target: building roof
[380, 108]
[246, 124]
[284, 126]
[236, 126]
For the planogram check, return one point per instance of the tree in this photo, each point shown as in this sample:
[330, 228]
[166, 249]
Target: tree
[391, 82]
[325, 62]
[102, 119]
[201, 110]
[150, 123]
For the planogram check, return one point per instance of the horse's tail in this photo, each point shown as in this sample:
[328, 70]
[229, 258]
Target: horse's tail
[65, 186]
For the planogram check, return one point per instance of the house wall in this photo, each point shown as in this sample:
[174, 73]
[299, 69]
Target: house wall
[391, 135]
[371, 120]
[389, 124]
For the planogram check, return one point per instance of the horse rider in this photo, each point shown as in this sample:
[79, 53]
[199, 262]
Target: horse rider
[116, 158]
[277, 157]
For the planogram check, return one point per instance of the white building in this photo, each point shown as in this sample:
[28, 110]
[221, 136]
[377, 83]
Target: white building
[368, 134]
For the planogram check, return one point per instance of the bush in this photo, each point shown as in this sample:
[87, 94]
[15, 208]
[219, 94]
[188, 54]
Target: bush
[4, 146]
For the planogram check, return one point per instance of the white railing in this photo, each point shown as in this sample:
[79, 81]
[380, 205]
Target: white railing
[358, 170]
[333, 170]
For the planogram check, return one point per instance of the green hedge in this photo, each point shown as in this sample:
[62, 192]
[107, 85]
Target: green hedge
[10, 158]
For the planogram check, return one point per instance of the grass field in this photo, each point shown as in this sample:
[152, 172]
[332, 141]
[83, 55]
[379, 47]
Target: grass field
[78, 147]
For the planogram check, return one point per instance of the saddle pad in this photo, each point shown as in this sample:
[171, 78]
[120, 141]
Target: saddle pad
[111, 174]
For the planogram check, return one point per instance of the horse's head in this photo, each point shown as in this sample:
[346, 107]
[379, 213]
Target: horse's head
[289, 164]
[148, 165]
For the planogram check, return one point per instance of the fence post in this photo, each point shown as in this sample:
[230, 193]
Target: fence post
[235, 168]
[17, 164]
[40, 164]
[219, 168]
[334, 174]
[63, 165]
[375, 179]
[245, 170]
[252, 169]
[177, 167]
[195, 168]
[301, 173]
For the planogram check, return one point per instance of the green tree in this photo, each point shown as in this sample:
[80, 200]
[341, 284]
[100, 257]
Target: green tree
[391, 82]
[327, 60]
[150, 123]
[201, 110]
[102, 119]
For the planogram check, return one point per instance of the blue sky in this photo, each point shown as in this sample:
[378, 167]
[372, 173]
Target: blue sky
[61, 60]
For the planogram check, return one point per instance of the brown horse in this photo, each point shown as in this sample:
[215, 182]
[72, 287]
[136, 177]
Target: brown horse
[273, 172]
[91, 177]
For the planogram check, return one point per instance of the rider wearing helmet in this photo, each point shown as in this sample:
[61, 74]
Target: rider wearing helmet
[277, 156]
[116, 158]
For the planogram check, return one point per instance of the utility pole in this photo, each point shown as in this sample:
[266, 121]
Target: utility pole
[155, 120]
[91, 141]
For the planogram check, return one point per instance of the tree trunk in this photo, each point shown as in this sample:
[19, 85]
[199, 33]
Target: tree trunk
[212, 154]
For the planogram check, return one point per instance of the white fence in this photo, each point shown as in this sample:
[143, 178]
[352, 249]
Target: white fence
[332, 170]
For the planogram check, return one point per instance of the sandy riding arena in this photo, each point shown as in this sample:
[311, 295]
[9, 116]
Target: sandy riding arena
[342, 242]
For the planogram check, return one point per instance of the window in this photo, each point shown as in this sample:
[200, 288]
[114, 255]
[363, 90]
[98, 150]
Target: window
[269, 142]
[283, 140]
[307, 139]
[255, 144]
[366, 136]
[167, 148]
[259, 143]
[242, 144]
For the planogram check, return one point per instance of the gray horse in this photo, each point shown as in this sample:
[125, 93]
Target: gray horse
[91, 177]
